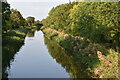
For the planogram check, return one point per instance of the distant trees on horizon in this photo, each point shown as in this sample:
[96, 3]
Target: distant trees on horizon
[12, 18]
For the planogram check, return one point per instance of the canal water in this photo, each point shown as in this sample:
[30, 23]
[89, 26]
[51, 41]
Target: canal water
[40, 57]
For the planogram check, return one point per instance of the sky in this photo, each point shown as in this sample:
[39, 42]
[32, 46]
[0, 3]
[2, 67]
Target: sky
[36, 8]
[56, 0]
[38, 0]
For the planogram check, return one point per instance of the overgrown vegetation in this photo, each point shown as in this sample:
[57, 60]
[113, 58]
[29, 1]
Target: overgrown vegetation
[89, 32]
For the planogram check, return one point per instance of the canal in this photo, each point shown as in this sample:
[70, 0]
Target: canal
[40, 57]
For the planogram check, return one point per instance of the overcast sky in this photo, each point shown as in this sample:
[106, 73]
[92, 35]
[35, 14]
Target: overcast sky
[38, 0]
[36, 8]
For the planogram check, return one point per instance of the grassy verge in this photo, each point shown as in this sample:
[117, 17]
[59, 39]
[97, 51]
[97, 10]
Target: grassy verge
[101, 61]
[12, 41]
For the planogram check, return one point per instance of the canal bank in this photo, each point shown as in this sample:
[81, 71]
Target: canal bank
[56, 55]
[12, 41]
[95, 57]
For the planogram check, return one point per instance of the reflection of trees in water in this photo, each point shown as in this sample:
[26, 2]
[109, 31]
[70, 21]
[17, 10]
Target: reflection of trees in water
[8, 56]
[65, 60]
[0, 60]
[10, 46]
[31, 34]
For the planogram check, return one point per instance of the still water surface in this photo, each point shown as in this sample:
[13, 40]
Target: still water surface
[34, 61]
[40, 57]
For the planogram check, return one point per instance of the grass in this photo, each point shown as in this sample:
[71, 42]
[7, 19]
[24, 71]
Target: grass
[11, 42]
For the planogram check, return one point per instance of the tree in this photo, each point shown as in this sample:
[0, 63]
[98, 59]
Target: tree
[16, 18]
[5, 15]
[59, 17]
[30, 20]
[38, 23]
[95, 21]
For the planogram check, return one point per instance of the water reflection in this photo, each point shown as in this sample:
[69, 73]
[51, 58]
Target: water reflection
[34, 61]
[8, 54]
[9, 50]
[41, 58]
[66, 61]
[31, 34]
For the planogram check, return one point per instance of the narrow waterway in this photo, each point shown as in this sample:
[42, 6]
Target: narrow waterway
[34, 61]
[40, 57]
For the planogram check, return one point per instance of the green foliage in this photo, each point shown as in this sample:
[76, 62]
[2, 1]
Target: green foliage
[11, 19]
[30, 34]
[96, 21]
[67, 45]
[30, 20]
[65, 60]
[38, 24]
[86, 54]
[58, 17]
[12, 41]
[16, 19]
[14, 29]
[5, 15]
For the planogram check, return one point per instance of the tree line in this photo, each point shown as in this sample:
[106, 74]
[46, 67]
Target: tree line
[12, 18]
[96, 21]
